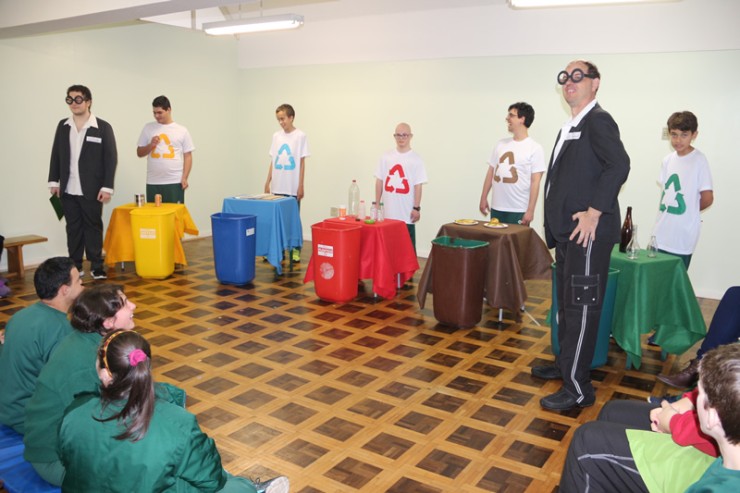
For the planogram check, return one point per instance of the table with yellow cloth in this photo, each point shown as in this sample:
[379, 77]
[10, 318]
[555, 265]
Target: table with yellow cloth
[119, 240]
[654, 294]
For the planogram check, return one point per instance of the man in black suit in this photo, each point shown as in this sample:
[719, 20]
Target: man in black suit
[587, 169]
[82, 169]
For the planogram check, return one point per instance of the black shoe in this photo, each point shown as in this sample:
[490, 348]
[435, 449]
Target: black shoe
[685, 378]
[547, 372]
[99, 274]
[563, 401]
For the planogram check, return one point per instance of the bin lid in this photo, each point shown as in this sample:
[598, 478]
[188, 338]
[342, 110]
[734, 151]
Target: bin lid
[450, 242]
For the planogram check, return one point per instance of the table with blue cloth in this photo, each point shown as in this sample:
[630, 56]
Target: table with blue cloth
[654, 294]
[278, 225]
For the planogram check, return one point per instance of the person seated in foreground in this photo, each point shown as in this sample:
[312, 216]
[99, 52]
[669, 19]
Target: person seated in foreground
[621, 451]
[129, 439]
[71, 370]
[32, 335]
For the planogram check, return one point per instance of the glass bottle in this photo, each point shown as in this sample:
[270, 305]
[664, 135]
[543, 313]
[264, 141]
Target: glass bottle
[627, 231]
[374, 211]
[353, 199]
[633, 248]
[381, 213]
[652, 248]
[361, 211]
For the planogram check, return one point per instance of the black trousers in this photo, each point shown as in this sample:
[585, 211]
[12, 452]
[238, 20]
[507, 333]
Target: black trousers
[84, 229]
[581, 275]
[599, 458]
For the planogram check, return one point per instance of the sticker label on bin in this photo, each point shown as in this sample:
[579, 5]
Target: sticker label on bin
[326, 270]
[148, 233]
[250, 231]
[325, 250]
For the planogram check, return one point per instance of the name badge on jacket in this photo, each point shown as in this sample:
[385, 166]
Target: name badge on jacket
[573, 136]
[97, 140]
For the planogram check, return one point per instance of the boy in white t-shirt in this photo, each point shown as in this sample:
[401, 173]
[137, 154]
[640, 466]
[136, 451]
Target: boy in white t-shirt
[169, 151]
[514, 171]
[687, 190]
[288, 154]
[398, 180]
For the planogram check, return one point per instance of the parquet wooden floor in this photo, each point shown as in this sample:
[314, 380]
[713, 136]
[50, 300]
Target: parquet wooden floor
[370, 396]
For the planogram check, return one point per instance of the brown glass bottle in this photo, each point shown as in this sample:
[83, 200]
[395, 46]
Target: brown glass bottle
[626, 231]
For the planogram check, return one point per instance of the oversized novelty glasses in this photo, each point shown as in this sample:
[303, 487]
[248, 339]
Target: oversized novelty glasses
[576, 76]
[76, 99]
[402, 136]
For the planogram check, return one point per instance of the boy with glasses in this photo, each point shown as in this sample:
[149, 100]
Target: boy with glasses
[398, 180]
[81, 172]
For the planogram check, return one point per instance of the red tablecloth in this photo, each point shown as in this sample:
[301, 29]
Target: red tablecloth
[385, 252]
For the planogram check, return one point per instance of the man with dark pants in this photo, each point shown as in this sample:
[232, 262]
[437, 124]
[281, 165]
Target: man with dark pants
[81, 172]
[587, 169]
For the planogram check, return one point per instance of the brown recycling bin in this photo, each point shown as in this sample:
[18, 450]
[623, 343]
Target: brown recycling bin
[458, 274]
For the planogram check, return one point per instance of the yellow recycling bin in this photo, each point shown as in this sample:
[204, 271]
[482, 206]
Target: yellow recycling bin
[153, 229]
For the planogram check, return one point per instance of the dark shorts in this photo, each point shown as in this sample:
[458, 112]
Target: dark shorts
[507, 217]
[172, 193]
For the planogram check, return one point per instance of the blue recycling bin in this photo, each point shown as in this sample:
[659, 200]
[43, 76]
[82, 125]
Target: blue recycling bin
[234, 244]
[605, 322]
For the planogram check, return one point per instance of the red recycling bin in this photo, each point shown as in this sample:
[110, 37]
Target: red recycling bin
[336, 260]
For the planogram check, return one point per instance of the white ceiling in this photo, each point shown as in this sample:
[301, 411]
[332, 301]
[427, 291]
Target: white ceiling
[32, 17]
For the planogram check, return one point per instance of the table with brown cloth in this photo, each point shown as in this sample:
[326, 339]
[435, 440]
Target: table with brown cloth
[515, 254]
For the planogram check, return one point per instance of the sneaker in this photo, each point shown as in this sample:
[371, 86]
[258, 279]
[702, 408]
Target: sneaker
[82, 273]
[4, 290]
[657, 400]
[296, 256]
[98, 274]
[280, 484]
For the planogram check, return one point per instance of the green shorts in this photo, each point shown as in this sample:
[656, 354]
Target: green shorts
[172, 193]
[507, 217]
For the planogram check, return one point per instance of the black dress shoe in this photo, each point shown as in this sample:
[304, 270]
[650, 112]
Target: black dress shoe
[547, 372]
[563, 401]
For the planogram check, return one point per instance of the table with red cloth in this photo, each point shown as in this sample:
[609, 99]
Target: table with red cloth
[515, 254]
[119, 240]
[387, 256]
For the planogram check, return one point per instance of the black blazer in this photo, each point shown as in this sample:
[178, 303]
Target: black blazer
[589, 172]
[97, 162]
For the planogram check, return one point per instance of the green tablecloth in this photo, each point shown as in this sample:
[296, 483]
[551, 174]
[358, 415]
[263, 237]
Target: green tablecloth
[655, 294]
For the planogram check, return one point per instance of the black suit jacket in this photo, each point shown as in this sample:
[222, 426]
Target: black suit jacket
[97, 162]
[589, 172]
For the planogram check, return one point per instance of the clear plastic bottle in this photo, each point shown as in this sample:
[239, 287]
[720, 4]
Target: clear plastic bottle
[374, 211]
[381, 213]
[353, 199]
[633, 247]
[361, 211]
[652, 248]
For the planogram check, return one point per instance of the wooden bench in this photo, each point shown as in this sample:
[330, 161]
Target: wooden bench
[14, 246]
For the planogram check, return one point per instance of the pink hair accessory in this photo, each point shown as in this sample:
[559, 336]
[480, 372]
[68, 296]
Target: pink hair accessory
[136, 356]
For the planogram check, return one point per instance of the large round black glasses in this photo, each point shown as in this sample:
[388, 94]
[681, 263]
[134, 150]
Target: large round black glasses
[576, 76]
[77, 99]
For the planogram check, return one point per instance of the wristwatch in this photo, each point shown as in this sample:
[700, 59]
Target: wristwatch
[417, 209]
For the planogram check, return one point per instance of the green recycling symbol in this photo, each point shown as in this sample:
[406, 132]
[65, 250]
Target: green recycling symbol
[673, 190]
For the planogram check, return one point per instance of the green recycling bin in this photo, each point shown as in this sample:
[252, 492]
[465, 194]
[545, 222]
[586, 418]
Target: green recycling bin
[458, 278]
[605, 322]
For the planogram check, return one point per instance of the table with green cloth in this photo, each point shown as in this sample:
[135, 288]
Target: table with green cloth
[654, 294]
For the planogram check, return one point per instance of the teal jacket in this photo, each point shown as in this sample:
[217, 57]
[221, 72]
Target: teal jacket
[31, 336]
[174, 455]
[70, 371]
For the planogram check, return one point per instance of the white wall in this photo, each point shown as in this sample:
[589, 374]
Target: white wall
[457, 107]
[125, 68]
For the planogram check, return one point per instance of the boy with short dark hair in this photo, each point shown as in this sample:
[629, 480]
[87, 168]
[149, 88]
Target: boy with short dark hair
[687, 190]
[288, 154]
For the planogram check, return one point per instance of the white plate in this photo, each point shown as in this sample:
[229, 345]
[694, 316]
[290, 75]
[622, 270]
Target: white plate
[466, 222]
[496, 226]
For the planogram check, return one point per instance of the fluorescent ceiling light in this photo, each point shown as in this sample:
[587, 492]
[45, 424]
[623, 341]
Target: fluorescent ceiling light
[524, 4]
[254, 24]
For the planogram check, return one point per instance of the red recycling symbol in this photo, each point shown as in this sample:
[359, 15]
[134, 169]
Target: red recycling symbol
[397, 169]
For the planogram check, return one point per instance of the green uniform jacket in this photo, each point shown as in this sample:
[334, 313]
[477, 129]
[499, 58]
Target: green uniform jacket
[70, 371]
[30, 337]
[174, 455]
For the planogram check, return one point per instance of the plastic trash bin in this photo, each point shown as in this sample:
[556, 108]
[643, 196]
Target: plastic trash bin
[336, 262]
[234, 244]
[458, 278]
[605, 322]
[153, 230]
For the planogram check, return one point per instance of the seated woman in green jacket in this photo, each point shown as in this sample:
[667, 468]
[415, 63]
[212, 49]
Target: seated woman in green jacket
[130, 439]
